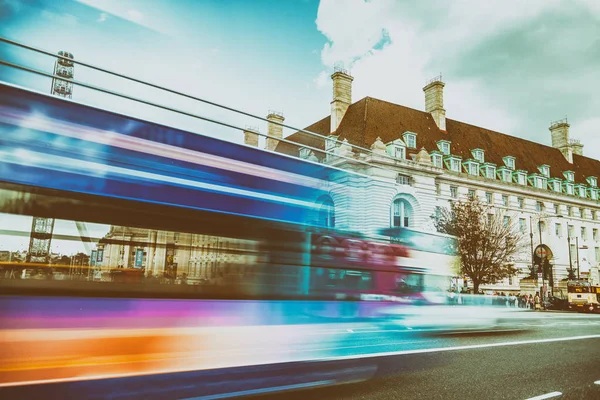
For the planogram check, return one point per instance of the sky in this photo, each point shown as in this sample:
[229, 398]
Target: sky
[510, 66]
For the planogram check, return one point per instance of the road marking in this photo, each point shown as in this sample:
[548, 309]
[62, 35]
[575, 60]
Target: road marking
[262, 391]
[546, 396]
[456, 348]
[597, 382]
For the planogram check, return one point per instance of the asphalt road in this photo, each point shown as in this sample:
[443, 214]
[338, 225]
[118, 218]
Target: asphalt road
[537, 354]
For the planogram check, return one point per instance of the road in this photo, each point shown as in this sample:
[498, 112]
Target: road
[539, 354]
[531, 354]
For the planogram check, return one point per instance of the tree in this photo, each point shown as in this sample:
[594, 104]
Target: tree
[487, 239]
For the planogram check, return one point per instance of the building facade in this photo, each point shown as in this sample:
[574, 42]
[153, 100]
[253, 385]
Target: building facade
[417, 160]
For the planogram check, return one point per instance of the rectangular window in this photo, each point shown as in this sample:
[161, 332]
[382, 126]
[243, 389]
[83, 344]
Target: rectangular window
[582, 212]
[510, 163]
[521, 202]
[597, 251]
[438, 189]
[506, 220]
[569, 188]
[521, 179]
[403, 179]
[595, 234]
[558, 230]
[556, 209]
[569, 211]
[489, 198]
[455, 165]
[506, 177]
[453, 192]
[437, 160]
[505, 200]
[473, 169]
[539, 206]
[490, 172]
[490, 218]
[583, 233]
[570, 230]
[594, 215]
[522, 225]
[399, 152]
[557, 186]
[411, 141]
[573, 249]
[445, 147]
[471, 193]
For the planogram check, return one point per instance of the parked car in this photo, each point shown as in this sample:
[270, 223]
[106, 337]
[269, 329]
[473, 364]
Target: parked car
[555, 303]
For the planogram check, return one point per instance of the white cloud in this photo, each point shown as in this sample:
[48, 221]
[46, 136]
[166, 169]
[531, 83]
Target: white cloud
[135, 16]
[423, 40]
[103, 17]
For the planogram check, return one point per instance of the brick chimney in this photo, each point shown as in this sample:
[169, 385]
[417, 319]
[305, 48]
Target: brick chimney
[434, 101]
[560, 138]
[274, 131]
[342, 96]
[251, 136]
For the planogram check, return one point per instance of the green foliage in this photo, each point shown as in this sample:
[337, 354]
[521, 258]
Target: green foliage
[487, 239]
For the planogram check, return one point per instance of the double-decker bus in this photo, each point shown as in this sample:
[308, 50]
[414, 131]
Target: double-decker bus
[583, 296]
[182, 232]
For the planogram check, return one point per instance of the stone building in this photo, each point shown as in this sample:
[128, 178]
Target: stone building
[417, 160]
[202, 258]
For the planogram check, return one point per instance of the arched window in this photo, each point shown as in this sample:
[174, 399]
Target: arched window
[327, 213]
[402, 213]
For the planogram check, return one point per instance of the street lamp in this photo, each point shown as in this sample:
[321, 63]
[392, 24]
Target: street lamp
[542, 252]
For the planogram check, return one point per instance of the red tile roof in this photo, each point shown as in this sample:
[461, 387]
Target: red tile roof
[370, 118]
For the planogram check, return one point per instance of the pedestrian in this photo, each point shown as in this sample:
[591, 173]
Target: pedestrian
[538, 304]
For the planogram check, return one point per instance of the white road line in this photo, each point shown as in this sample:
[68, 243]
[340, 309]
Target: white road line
[264, 390]
[597, 383]
[469, 347]
[546, 396]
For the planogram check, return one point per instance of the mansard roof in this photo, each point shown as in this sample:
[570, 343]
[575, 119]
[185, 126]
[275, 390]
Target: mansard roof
[370, 118]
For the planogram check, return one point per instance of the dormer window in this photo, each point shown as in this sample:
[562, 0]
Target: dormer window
[581, 191]
[410, 138]
[569, 175]
[554, 184]
[545, 170]
[593, 181]
[400, 152]
[538, 181]
[397, 149]
[478, 154]
[444, 146]
[472, 167]
[505, 174]
[436, 159]
[509, 161]
[453, 163]
[520, 177]
[489, 171]
[568, 188]
[593, 193]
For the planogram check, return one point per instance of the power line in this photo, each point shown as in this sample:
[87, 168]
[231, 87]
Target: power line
[189, 96]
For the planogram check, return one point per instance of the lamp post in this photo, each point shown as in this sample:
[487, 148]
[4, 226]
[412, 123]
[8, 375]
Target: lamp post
[543, 253]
